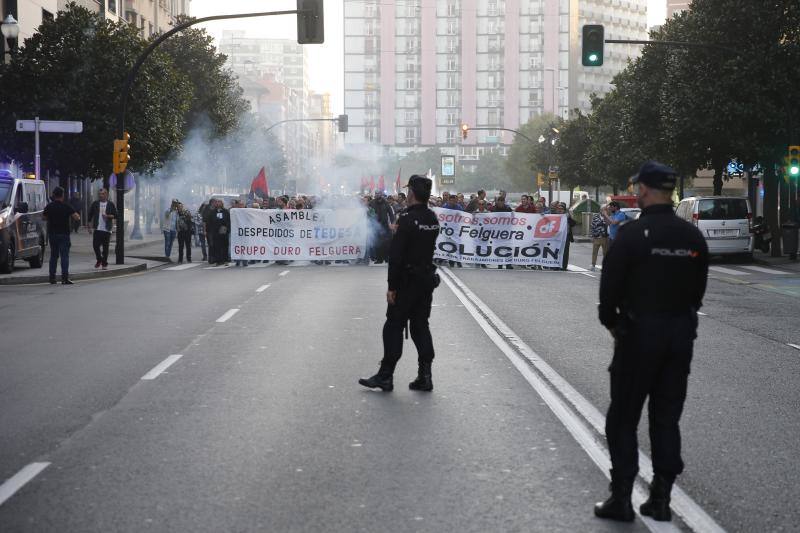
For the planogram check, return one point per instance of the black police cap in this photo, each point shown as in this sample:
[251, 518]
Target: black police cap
[657, 176]
[420, 184]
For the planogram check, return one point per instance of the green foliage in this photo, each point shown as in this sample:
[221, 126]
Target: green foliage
[526, 159]
[73, 69]
[489, 174]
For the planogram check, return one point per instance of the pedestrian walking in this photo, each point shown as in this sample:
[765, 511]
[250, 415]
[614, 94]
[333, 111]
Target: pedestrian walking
[599, 231]
[102, 214]
[169, 227]
[59, 216]
[184, 226]
[653, 281]
[412, 279]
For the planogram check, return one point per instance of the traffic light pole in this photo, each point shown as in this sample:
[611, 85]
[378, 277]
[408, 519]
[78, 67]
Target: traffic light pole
[301, 120]
[487, 128]
[126, 89]
[675, 44]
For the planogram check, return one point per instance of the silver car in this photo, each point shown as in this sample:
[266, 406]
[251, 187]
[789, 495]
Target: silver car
[723, 220]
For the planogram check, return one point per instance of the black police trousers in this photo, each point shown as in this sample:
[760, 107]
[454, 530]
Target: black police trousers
[413, 306]
[652, 358]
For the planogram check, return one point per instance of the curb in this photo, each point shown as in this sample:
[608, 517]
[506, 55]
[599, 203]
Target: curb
[79, 276]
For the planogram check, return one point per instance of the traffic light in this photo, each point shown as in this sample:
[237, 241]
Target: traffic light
[593, 43]
[540, 180]
[310, 22]
[121, 156]
[343, 125]
[464, 131]
[793, 162]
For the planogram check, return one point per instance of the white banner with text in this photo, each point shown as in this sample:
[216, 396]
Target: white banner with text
[501, 238]
[303, 234]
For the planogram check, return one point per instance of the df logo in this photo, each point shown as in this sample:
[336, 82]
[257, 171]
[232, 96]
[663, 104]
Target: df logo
[548, 227]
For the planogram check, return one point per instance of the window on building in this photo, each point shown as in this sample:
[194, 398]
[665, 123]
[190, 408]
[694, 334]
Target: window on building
[452, 64]
[451, 136]
[452, 118]
[452, 9]
[492, 8]
[452, 99]
[452, 81]
[492, 117]
[369, 99]
[112, 6]
[411, 136]
[410, 117]
[452, 45]
[371, 134]
[150, 27]
[494, 62]
[46, 15]
[452, 27]
[411, 83]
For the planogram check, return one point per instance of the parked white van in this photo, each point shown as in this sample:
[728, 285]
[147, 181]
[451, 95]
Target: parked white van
[723, 220]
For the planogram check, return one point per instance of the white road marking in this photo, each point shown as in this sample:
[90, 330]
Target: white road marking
[701, 313]
[263, 288]
[573, 268]
[220, 267]
[162, 366]
[729, 271]
[587, 274]
[228, 314]
[283, 273]
[523, 358]
[765, 270]
[795, 346]
[18, 480]
[184, 266]
[258, 265]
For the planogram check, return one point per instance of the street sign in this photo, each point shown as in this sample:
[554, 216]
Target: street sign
[51, 126]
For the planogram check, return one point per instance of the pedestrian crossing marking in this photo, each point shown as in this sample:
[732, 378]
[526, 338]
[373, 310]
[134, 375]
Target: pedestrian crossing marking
[573, 268]
[728, 271]
[765, 270]
[217, 267]
[184, 266]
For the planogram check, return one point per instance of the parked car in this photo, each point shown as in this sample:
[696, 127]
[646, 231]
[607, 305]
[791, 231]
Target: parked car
[723, 220]
[22, 228]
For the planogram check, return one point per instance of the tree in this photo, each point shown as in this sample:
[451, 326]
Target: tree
[73, 69]
[217, 99]
[490, 173]
[572, 153]
[525, 159]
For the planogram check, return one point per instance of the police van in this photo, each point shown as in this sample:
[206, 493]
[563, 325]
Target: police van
[22, 226]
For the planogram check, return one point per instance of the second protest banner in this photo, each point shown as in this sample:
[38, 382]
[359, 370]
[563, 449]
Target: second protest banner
[501, 238]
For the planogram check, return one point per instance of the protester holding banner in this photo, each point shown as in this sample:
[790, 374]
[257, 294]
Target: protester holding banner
[412, 279]
[218, 225]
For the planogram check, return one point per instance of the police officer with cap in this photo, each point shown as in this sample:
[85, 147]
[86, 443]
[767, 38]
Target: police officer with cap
[412, 279]
[652, 285]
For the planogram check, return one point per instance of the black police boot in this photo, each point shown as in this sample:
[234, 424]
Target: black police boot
[382, 380]
[618, 506]
[657, 505]
[424, 381]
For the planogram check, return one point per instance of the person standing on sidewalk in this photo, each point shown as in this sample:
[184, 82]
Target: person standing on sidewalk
[653, 282]
[169, 226]
[613, 218]
[101, 220]
[75, 203]
[599, 231]
[200, 231]
[184, 226]
[59, 216]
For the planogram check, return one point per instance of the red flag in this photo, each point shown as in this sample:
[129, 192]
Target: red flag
[397, 185]
[381, 185]
[372, 184]
[260, 185]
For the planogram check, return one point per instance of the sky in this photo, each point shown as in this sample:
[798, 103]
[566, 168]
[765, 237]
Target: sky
[325, 60]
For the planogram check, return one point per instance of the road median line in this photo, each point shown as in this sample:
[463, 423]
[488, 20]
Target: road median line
[161, 367]
[19, 480]
[559, 395]
[228, 314]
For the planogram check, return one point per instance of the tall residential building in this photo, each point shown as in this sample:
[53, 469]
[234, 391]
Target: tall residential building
[414, 71]
[283, 64]
[149, 16]
[676, 6]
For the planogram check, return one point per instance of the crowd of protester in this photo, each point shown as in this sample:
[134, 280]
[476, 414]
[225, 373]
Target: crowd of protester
[208, 227]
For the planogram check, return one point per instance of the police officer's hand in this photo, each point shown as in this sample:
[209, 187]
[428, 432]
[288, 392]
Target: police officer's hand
[391, 296]
[393, 227]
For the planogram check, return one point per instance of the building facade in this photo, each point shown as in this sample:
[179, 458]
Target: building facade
[149, 16]
[281, 65]
[416, 70]
[676, 6]
[29, 14]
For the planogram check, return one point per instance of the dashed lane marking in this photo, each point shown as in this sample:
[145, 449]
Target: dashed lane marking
[161, 367]
[795, 346]
[228, 314]
[184, 266]
[728, 271]
[284, 273]
[18, 480]
[263, 288]
[546, 382]
[765, 270]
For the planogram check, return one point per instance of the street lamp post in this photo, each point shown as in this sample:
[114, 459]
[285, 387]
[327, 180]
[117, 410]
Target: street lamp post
[10, 30]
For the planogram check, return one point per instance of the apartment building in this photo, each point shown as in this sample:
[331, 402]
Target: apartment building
[149, 16]
[414, 71]
[676, 6]
[29, 14]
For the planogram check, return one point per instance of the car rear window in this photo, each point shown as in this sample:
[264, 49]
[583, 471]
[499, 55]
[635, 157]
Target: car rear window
[722, 209]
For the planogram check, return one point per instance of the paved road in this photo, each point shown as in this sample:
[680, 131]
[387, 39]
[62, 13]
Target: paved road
[259, 425]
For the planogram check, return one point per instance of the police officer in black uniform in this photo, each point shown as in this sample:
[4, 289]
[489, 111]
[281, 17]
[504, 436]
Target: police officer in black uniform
[412, 279]
[652, 285]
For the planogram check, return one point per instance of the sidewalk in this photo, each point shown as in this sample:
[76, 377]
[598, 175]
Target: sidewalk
[782, 262]
[82, 260]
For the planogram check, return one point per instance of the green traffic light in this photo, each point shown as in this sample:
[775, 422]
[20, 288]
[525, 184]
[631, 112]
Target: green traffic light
[593, 58]
[794, 171]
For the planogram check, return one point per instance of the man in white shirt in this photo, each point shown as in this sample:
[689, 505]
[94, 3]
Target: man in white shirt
[101, 220]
